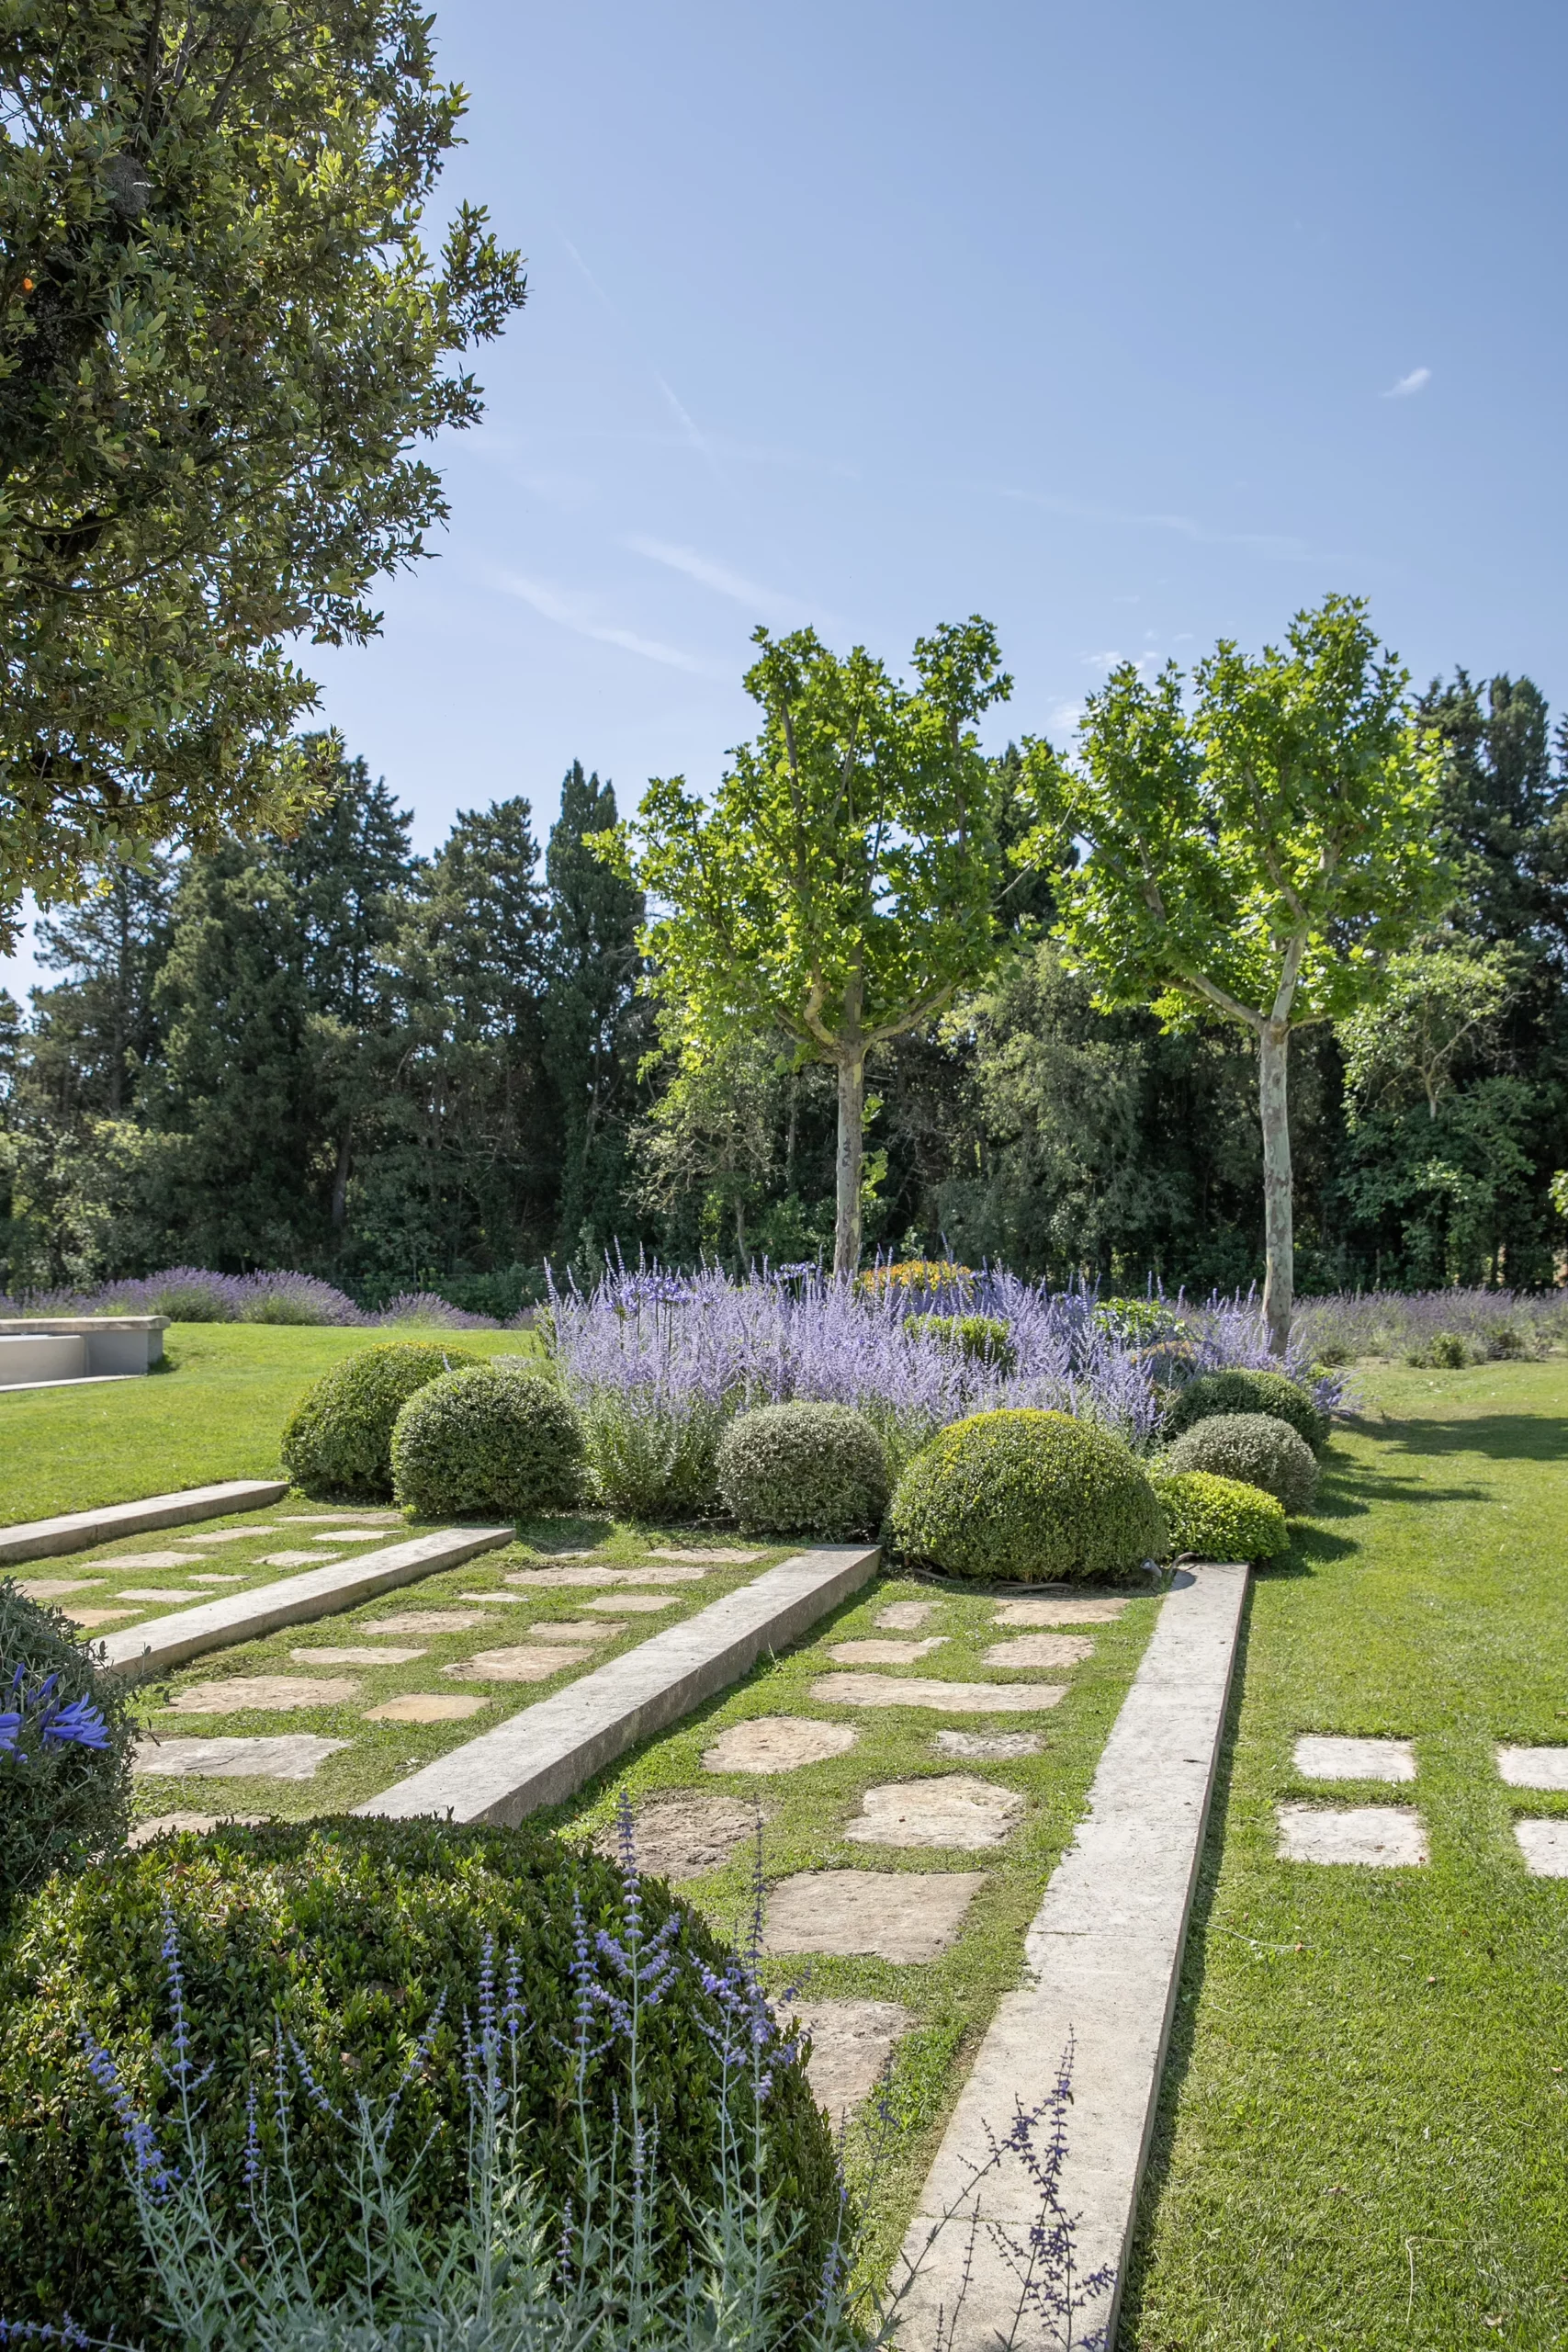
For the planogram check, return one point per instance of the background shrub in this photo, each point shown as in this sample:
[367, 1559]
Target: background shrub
[650, 1454]
[338, 1440]
[1250, 1392]
[1254, 1447]
[64, 1800]
[1444, 1351]
[806, 1469]
[1026, 1494]
[984, 1338]
[351, 1932]
[1220, 1519]
[488, 1438]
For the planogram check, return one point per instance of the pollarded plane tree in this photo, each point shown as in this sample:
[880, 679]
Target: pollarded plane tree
[1259, 850]
[839, 888]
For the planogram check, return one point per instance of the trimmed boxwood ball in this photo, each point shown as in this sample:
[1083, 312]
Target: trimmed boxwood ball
[1254, 1447]
[1220, 1519]
[484, 1439]
[1250, 1392]
[1027, 1495]
[62, 1802]
[338, 1440]
[803, 1469]
[349, 1932]
[984, 1338]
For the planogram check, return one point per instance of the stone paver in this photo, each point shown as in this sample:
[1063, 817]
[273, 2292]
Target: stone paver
[355, 1654]
[90, 1617]
[156, 1592]
[573, 1629]
[56, 1588]
[144, 1833]
[1534, 1767]
[1382, 1836]
[78, 1531]
[944, 1698]
[1039, 1649]
[543, 1579]
[425, 1707]
[875, 1653]
[240, 1692]
[149, 1560]
[231, 1536]
[235, 1576]
[904, 1617]
[1544, 1845]
[886, 1915]
[955, 1810]
[429, 1620]
[1002, 1745]
[284, 1755]
[352, 1535]
[523, 1663]
[850, 2044]
[1066, 1609]
[715, 1559]
[292, 1559]
[683, 1834]
[643, 1603]
[1321, 1757]
[777, 1744]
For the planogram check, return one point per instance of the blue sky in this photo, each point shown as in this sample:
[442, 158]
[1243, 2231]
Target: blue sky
[1126, 324]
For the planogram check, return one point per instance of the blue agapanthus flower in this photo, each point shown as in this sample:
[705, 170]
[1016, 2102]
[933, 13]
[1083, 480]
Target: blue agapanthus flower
[34, 1720]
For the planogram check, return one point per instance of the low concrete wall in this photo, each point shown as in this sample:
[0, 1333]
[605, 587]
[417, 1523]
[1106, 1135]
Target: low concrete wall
[39, 1355]
[78, 1347]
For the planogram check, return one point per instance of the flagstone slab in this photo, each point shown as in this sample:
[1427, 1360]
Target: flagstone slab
[352, 1536]
[543, 1579]
[642, 1602]
[523, 1663]
[235, 1575]
[291, 1559]
[906, 1916]
[544, 1752]
[238, 1694]
[143, 1832]
[162, 1641]
[720, 1559]
[943, 1698]
[348, 1516]
[1321, 1757]
[1534, 1767]
[156, 1592]
[777, 1744]
[1001, 1747]
[1066, 1609]
[1544, 1845]
[902, 1617]
[954, 1810]
[286, 1755]
[875, 1653]
[56, 1588]
[426, 1707]
[151, 1560]
[1039, 1649]
[429, 1620]
[573, 1629]
[685, 1835]
[91, 1617]
[850, 2044]
[1378, 1836]
[78, 1531]
[234, 1536]
[357, 1654]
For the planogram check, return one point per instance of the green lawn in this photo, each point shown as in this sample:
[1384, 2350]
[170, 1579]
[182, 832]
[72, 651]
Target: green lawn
[1364, 2134]
[216, 1410]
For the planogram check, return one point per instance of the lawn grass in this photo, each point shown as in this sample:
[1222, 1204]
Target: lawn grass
[1363, 2138]
[215, 1410]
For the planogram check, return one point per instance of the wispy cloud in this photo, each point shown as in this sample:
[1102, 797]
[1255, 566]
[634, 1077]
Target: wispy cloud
[573, 611]
[1282, 547]
[710, 571]
[1417, 381]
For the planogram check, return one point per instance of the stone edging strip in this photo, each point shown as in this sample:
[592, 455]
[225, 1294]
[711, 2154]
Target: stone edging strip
[546, 1751]
[41, 1539]
[1105, 1954]
[163, 1642]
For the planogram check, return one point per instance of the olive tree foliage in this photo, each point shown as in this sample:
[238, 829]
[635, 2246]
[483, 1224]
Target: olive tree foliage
[840, 887]
[1259, 848]
[221, 341]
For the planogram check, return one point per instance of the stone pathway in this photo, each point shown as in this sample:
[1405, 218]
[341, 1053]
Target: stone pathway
[683, 1835]
[1394, 1837]
[240, 1694]
[953, 1811]
[942, 1698]
[777, 1744]
[852, 2042]
[893, 1915]
[1387, 1836]
[290, 1756]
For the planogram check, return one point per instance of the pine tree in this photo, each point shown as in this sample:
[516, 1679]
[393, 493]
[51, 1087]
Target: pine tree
[97, 1029]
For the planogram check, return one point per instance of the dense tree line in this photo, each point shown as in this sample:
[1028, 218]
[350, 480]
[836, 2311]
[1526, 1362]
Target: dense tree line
[329, 1053]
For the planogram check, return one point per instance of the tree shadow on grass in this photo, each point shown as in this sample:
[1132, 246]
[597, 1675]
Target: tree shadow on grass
[1501, 1437]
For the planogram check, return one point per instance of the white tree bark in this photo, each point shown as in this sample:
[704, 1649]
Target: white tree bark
[850, 1158]
[1278, 1238]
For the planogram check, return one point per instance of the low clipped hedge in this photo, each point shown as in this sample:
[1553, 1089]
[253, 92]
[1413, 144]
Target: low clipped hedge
[63, 1800]
[1220, 1519]
[803, 1469]
[349, 1932]
[338, 1440]
[1274, 1393]
[1027, 1495]
[488, 1438]
[1253, 1448]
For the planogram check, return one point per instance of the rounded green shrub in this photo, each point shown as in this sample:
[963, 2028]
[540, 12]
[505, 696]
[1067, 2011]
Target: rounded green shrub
[1028, 1495]
[484, 1439]
[1220, 1519]
[338, 1440]
[803, 1469]
[364, 1942]
[1445, 1351]
[1274, 1393]
[65, 1743]
[985, 1339]
[1257, 1449]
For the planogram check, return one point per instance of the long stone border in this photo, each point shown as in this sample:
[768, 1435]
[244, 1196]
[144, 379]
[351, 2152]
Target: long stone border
[163, 1642]
[546, 1752]
[42, 1538]
[1105, 1951]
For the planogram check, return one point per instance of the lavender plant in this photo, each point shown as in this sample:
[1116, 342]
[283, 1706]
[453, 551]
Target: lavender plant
[193, 1295]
